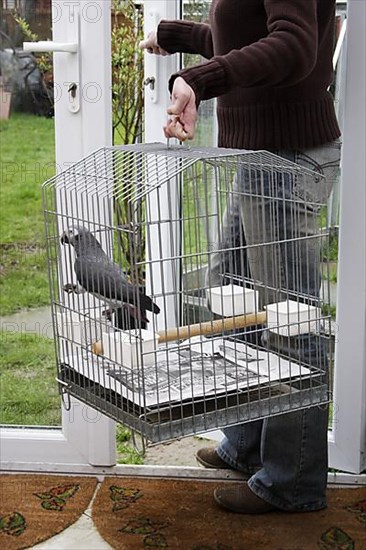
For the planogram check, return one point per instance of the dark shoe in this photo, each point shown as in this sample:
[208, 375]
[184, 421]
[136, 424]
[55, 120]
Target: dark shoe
[209, 458]
[242, 500]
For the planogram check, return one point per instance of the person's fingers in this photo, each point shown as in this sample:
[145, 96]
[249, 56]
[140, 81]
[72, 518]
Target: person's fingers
[163, 52]
[182, 111]
[180, 133]
[179, 130]
[189, 126]
[150, 44]
[177, 133]
[144, 45]
[187, 120]
[150, 41]
[183, 105]
[174, 128]
[170, 127]
[178, 105]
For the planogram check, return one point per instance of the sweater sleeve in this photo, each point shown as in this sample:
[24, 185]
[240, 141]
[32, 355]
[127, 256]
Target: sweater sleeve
[185, 37]
[284, 57]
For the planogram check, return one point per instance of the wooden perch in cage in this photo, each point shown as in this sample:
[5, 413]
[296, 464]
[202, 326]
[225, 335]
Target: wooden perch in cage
[212, 327]
[207, 328]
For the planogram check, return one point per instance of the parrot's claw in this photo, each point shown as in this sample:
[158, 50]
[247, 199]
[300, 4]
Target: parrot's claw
[70, 288]
[108, 314]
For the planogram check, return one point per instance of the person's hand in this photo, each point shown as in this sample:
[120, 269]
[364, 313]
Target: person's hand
[151, 44]
[182, 112]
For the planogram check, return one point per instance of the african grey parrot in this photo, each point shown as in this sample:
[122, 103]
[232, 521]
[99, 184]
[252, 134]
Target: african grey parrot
[98, 274]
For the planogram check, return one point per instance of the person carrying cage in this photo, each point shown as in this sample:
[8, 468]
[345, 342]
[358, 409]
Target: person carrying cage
[269, 64]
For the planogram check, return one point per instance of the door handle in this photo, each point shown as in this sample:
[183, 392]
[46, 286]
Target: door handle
[151, 61]
[49, 46]
[71, 73]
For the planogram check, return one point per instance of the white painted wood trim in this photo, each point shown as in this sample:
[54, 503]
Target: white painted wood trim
[347, 441]
[86, 437]
[32, 446]
[77, 135]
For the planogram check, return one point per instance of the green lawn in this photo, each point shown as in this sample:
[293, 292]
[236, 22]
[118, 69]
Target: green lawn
[27, 160]
[29, 394]
[126, 454]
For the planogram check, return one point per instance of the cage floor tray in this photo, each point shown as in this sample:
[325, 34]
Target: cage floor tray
[157, 410]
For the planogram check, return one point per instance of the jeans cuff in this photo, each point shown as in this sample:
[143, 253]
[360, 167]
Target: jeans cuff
[267, 496]
[235, 464]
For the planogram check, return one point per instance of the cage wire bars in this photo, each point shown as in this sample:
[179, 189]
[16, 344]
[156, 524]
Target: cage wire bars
[186, 286]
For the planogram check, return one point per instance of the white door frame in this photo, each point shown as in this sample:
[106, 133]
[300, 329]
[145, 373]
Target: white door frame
[347, 439]
[82, 125]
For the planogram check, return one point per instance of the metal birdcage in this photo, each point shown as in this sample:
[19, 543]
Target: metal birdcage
[181, 300]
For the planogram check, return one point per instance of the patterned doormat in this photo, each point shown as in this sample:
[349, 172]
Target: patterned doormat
[34, 508]
[150, 513]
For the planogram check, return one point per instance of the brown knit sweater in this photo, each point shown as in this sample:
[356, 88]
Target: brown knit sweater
[269, 64]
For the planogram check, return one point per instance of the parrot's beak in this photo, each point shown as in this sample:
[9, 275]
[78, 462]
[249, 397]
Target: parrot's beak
[65, 237]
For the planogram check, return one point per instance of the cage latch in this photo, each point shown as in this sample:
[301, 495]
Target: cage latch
[63, 392]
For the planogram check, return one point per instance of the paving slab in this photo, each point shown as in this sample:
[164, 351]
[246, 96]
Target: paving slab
[37, 321]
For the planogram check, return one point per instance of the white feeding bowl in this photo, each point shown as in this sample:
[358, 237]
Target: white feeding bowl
[231, 300]
[84, 327]
[130, 348]
[290, 318]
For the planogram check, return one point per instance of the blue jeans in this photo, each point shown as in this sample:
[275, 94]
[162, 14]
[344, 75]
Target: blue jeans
[285, 455]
